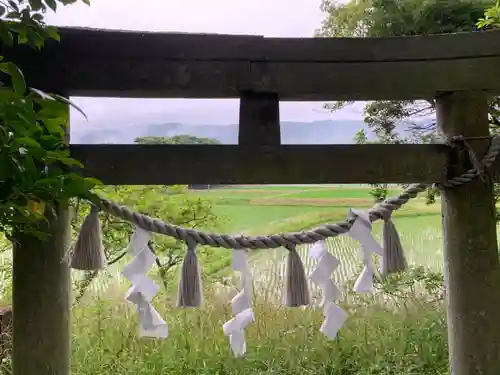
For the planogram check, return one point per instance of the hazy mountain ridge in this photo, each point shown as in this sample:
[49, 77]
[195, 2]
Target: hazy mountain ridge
[317, 132]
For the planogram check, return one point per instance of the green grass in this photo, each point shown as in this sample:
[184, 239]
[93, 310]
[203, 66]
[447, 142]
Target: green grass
[332, 193]
[276, 187]
[246, 217]
[281, 341]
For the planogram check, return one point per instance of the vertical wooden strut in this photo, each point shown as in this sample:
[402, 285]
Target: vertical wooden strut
[259, 119]
[41, 298]
[470, 245]
[41, 304]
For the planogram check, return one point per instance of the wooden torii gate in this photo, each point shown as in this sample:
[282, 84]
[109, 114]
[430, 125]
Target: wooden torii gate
[458, 70]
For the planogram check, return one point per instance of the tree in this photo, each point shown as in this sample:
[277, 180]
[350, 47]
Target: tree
[34, 159]
[182, 139]
[170, 203]
[376, 18]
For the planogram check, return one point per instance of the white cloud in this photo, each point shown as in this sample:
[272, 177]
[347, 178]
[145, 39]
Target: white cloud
[263, 17]
[277, 18]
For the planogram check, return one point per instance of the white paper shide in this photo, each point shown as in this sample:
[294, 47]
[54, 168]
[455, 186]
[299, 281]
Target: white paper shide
[241, 305]
[361, 231]
[335, 317]
[143, 288]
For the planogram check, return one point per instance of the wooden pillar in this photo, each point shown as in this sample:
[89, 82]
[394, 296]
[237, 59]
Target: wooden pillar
[259, 119]
[41, 300]
[470, 245]
[41, 291]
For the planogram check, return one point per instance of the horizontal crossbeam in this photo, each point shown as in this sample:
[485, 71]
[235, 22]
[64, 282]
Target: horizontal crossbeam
[285, 164]
[99, 63]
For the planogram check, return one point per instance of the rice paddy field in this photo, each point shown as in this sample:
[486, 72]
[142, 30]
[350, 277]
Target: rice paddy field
[262, 210]
[375, 340]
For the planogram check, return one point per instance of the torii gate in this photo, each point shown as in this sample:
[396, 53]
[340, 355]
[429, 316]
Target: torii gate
[459, 70]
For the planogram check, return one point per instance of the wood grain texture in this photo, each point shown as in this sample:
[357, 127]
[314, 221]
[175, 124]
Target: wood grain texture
[131, 64]
[286, 164]
[470, 244]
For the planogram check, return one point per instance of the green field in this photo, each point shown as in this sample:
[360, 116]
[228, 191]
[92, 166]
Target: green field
[260, 210]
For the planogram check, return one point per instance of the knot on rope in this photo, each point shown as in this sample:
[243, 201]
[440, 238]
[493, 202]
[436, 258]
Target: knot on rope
[478, 167]
[474, 160]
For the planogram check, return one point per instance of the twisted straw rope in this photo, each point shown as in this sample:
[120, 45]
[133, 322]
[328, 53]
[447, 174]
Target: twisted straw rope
[379, 211]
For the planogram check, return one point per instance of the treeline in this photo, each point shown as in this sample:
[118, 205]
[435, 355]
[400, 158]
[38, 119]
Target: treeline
[182, 139]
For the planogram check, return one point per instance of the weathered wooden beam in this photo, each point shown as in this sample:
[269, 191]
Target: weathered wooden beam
[259, 119]
[470, 244]
[41, 299]
[132, 64]
[105, 43]
[286, 164]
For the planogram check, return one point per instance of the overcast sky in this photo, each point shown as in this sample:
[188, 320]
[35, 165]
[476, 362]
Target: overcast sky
[277, 18]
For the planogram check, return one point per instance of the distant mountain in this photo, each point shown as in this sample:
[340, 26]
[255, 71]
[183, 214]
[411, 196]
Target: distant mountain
[317, 132]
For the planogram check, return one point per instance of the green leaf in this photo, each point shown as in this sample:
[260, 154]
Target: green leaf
[52, 4]
[92, 181]
[35, 39]
[17, 77]
[54, 127]
[29, 142]
[15, 26]
[52, 33]
[69, 102]
[42, 94]
[22, 37]
[14, 5]
[36, 4]
[6, 35]
[13, 15]
[37, 17]
[70, 162]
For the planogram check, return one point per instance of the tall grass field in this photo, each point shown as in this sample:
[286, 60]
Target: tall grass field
[386, 333]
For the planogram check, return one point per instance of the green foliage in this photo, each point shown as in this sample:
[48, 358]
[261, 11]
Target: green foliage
[183, 139]
[398, 18]
[375, 18]
[406, 285]
[376, 339]
[173, 204]
[36, 170]
[362, 18]
[491, 17]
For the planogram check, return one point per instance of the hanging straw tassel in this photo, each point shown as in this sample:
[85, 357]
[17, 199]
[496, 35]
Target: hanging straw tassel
[88, 253]
[394, 259]
[190, 288]
[296, 288]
